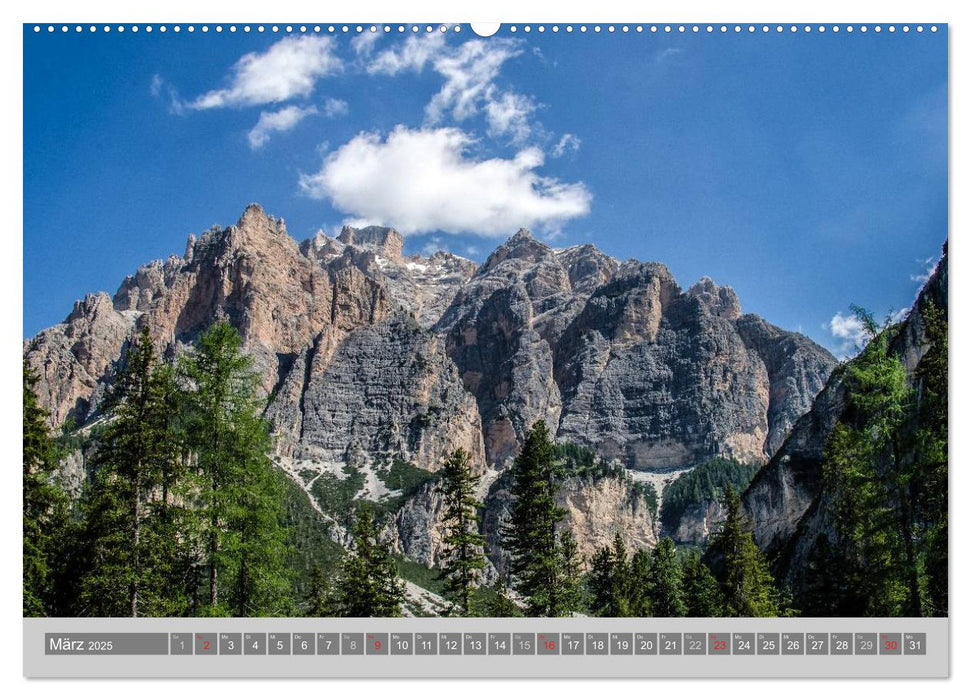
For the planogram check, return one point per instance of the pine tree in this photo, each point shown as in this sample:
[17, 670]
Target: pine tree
[368, 585]
[45, 518]
[601, 584]
[665, 581]
[747, 584]
[530, 536]
[866, 477]
[929, 482]
[319, 602]
[611, 582]
[501, 604]
[572, 576]
[639, 587]
[136, 452]
[241, 495]
[702, 595]
[462, 543]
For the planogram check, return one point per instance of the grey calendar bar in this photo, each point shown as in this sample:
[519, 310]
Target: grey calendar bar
[518, 647]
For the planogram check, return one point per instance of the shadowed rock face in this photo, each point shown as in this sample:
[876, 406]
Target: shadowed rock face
[621, 360]
[785, 500]
[365, 352]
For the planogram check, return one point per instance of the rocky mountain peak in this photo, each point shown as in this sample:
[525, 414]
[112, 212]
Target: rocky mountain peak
[382, 240]
[720, 301]
[254, 214]
[90, 307]
[322, 247]
[521, 246]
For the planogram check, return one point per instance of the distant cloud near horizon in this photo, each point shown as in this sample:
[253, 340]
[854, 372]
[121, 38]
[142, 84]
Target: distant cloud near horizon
[374, 178]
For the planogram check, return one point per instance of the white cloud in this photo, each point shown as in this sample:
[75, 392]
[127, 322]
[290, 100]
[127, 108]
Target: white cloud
[424, 180]
[289, 68]
[568, 143]
[414, 54]
[334, 107]
[363, 43]
[851, 332]
[469, 73]
[929, 265]
[156, 86]
[278, 121]
[509, 115]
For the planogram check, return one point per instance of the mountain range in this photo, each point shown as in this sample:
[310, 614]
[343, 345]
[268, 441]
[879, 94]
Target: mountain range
[375, 364]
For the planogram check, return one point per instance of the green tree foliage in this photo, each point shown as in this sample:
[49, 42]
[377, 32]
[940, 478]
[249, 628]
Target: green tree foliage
[664, 581]
[502, 605]
[137, 459]
[46, 508]
[571, 573]
[319, 602]
[885, 473]
[706, 482]
[462, 543]
[531, 534]
[241, 496]
[929, 480]
[702, 594]
[746, 583]
[615, 590]
[639, 590]
[368, 585]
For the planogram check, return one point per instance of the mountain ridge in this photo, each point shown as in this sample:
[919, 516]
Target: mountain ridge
[368, 355]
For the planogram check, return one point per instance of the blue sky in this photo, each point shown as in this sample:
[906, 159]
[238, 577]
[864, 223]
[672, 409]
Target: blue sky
[807, 171]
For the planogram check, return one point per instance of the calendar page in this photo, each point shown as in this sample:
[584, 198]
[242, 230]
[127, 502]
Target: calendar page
[560, 350]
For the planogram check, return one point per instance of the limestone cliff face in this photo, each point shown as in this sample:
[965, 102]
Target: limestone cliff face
[597, 509]
[785, 500]
[621, 360]
[366, 353]
[74, 358]
[699, 522]
[388, 390]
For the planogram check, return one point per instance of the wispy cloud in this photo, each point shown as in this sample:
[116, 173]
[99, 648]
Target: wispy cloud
[363, 44]
[335, 108]
[509, 115]
[275, 122]
[665, 55]
[568, 143]
[375, 179]
[469, 71]
[411, 55]
[928, 265]
[289, 68]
